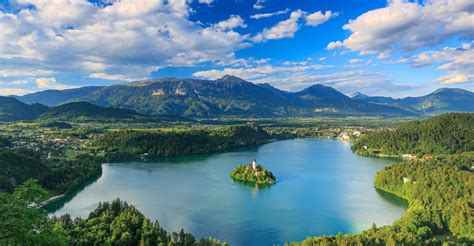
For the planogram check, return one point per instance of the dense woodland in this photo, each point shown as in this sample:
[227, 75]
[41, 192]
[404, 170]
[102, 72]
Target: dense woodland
[445, 134]
[57, 175]
[130, 144]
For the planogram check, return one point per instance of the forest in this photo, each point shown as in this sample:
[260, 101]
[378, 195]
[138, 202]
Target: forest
[445, 134]
[130, 144]
[56, 175]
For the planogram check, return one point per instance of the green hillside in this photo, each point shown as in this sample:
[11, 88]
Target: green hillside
[57, 175]
[130, 144]
[12, 109]
[84, 112]
[87, 111]
[445, 134]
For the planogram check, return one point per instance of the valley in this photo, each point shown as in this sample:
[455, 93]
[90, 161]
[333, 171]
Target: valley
[246, 122]
[65, 156]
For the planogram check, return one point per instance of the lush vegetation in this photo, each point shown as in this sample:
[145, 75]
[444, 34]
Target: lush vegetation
[57, 175]
[246, 173]
[126, 144]
[119, 223]
[444, 134]
[84, 111]
[88, 112]
[24, 222]
[440, 191]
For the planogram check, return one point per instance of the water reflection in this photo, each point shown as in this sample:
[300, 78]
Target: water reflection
[393, 199]
[59, 203]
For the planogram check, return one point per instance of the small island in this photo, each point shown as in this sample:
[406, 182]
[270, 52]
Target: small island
[253, 173]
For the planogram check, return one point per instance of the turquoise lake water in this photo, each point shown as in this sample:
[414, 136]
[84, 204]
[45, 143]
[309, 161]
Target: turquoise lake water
[322, 188]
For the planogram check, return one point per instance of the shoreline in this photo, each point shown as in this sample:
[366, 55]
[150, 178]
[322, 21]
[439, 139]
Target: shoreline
[52, 199]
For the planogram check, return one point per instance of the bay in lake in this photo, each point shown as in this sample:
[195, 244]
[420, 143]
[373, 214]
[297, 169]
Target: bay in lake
[322, 188]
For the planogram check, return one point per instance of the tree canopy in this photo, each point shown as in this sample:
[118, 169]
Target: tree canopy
[445, 134]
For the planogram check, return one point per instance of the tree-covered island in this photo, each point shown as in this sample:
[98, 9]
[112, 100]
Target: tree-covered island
[253, 173]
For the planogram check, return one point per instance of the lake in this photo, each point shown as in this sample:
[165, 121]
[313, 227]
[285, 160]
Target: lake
[322, 188]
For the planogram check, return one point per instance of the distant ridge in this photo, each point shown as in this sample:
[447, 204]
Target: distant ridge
[55, 97]
[440, 101]
[11, 109]
[231, 96]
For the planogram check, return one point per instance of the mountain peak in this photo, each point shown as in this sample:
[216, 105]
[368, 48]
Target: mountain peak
[450, 91]
[320, 91]
[230, 78]
[267, 86]
[359, 95]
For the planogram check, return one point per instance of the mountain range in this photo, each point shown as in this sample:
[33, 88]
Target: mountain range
[231, 96]
[227, 96]
[440, 101]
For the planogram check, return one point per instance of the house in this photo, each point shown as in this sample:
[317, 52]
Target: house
[143, 156]
[253, 165]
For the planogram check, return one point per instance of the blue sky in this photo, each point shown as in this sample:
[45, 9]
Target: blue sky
[393, 48]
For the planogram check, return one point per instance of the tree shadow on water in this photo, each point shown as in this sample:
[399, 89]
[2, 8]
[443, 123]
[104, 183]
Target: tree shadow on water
[253, 185]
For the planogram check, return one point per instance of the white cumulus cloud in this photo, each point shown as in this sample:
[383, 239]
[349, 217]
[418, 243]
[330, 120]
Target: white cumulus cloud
[283, 29]
[233, 22]
[453, 78]
[50, 83]
[132, 37]
[409, 26]
[318, 18]
[334, 45]
[457, 61]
